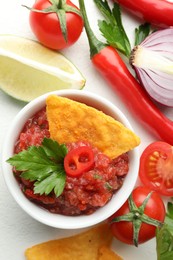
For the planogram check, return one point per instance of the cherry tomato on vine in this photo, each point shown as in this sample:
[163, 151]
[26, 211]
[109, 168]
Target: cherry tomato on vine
[156, 168]
[78, 161]
[135, 222]
[57, 24]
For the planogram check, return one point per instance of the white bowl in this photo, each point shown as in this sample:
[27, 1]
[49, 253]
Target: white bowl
[42, 215]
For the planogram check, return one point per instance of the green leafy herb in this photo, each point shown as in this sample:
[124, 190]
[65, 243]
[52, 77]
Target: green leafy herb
[97, 176]
[141, 33]
[44, 165]
[164, 236]
[169, 213]
[112, 28]
[55, 181]
[54, 150]
[169, 216]
[108, 186]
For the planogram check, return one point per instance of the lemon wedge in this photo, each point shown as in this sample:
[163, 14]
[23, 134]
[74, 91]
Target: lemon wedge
[28, 69]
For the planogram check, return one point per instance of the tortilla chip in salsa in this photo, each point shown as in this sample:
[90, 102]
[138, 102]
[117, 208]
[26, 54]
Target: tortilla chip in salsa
[71, 121]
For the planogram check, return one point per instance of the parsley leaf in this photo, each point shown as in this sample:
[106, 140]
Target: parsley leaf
[54, 150]
[169, 216]
[44, 165]
[141, 33]
[55, 181]
[112, 28]
[164, 236]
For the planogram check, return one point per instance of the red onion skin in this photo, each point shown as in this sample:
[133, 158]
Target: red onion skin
[157, 12]
[110, 65]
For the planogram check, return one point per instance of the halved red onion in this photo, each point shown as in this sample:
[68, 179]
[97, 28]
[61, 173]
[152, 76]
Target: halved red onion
[153, 64]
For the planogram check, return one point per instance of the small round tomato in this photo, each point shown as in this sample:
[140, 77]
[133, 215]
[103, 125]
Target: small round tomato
[135, 222]
[78, 161]
[156, 168]
[56, 24]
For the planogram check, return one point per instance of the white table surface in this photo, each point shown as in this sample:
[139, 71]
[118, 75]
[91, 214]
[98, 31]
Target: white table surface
[19, 231]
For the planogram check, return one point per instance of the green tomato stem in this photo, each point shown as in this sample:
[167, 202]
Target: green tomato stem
[137, 217]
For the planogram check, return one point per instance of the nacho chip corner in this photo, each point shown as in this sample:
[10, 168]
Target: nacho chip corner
[72, 121]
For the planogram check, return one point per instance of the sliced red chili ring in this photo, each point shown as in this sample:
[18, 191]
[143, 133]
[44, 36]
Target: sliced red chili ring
[78, 161]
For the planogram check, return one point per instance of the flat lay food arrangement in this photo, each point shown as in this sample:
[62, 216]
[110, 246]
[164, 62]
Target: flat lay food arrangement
[86, 96]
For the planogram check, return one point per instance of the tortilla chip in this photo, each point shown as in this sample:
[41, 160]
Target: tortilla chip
[105, 253]
[83, 246]
[71, 121]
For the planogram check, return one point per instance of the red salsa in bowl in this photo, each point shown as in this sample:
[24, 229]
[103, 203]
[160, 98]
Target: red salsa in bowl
[82, 195]
[49, 129]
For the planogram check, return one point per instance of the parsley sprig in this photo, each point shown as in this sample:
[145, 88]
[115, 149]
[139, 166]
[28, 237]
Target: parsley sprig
[164, 236]
[141, 33]
[44, 165]
[112, 28]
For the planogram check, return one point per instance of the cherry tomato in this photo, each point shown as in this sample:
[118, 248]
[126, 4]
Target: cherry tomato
[156, 168]
[46, 26]
[154, 208]
[78, 161]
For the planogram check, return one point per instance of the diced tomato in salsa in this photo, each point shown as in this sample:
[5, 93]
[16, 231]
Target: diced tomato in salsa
[82, 195]
[35, 129]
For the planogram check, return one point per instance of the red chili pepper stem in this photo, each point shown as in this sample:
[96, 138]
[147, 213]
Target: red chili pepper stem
[110, 65]
[95, 45]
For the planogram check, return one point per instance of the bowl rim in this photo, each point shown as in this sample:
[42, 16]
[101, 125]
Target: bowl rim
[42, 215]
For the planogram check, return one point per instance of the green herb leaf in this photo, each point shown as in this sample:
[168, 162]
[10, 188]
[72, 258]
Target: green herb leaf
[141, 33]
[112, 28]
[164, 236]
[111, 33]
[97, 176]
[164, 243]
[104, 8]
[169, 216]
[55, 181]
[169, 210]
[54, 150]
[43, 164]
[108, 186]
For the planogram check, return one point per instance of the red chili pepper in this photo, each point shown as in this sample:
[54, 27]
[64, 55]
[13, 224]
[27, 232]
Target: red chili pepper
[78, 161]
[110, 65]
[157, 12]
